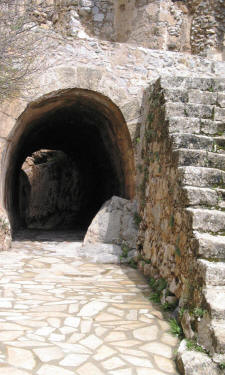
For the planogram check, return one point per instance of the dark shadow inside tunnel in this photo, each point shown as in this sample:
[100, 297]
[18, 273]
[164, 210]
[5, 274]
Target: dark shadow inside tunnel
[70, 153]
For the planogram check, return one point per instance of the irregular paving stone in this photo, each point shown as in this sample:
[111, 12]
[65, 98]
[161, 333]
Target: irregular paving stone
[136, 361]
[146, 333]
[74, 360]
[103, 352]
[92, 308]
[121, 372]
[144, 371]
[53, 370]
[21, 358]
[113, 363]
[70, 335]
[73, 322]
[12, 371]
[164, 364]
[49, 354]
[88, 368]
[115, 336]
[158, 348]
[10, 335]
[92, 342]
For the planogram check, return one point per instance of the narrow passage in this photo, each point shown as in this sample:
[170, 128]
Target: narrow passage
[61, 315]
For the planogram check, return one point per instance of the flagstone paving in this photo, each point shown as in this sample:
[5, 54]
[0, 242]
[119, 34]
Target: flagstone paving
[61, 315]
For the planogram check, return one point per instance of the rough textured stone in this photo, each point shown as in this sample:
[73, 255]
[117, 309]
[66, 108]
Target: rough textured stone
[114, 224]
[186, 110]
[194, 363]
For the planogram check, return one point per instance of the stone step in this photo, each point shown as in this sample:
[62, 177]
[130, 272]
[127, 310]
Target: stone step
[211, 273]
[193, 96]
[202, 177]
[215, 302]
[193, 142]
[193, 83]
[201, 158]
[211, 247]
[201, 111]
[197, 196]
[218, 337]
[207, 220]
[193, 125]
[199, 142]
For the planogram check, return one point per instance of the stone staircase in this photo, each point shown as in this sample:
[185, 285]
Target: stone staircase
[196, 112]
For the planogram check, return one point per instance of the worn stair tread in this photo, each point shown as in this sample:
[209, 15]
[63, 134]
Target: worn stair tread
[200, 158]
[202, 177]
[211, 246]
[195, 126]
[187, 83]
[197, 196]
[215, 300]
[207, 220]
[193, 141]
[212, 273]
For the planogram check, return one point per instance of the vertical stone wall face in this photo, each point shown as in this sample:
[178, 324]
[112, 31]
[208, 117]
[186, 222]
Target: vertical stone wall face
[195, 26]
[165, 234]
[161, 25]
[207, 26]
[180, 188]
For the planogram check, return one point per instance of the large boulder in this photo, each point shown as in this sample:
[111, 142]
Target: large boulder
[195, 363]
[114, 224]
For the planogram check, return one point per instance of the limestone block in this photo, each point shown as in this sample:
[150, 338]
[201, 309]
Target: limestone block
[184, 125]
[215, 299]
[7, 124]
[200, 97]
[195, 363]
[220, 114]
[213, 273]
[88, 78]
[114, 224]
[66, 75]
[13, 107]
[211, 246]
[202, 177]
[201, 196]
[191, 141]
[221, 100]
[131, 110]
[3, 146]
[211, 127]
[207, 220]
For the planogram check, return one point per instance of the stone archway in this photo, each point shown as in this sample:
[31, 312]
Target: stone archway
[90, 129]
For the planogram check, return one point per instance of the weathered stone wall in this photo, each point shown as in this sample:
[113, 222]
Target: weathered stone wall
[193, 26]
[207, 27]
[161, 25]
[165, 234]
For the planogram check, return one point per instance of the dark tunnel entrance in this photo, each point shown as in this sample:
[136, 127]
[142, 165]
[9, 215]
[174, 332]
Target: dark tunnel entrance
[70, 153]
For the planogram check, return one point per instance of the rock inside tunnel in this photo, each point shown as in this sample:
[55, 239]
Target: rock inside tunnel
[70, 153]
